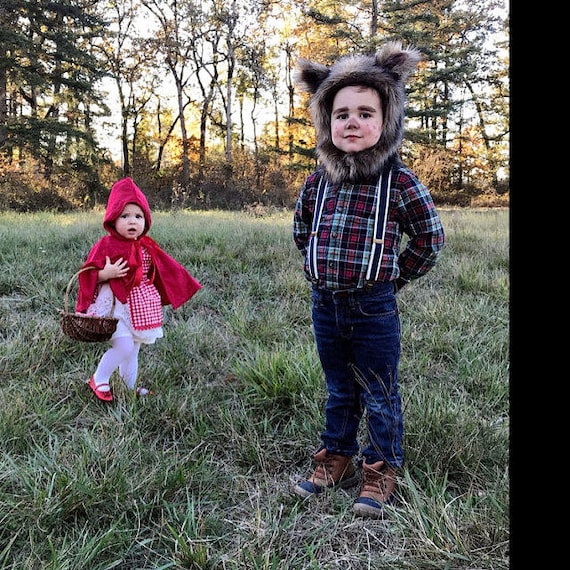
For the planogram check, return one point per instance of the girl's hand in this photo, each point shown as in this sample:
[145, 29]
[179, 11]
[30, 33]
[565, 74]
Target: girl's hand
[113, 270]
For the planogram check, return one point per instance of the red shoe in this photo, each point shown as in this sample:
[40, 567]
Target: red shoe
[104, 395]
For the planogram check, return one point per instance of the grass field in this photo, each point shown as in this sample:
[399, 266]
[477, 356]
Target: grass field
[199, 476]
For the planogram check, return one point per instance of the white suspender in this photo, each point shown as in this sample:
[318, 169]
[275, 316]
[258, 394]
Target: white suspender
[382, 204]
[319, 205]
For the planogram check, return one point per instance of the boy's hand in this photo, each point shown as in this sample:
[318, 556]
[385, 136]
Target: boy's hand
[399, 284]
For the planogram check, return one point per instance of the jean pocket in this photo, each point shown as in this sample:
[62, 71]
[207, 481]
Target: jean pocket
[377, 306]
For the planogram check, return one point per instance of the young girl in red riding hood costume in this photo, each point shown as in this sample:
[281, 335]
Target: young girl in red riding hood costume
[131, 267]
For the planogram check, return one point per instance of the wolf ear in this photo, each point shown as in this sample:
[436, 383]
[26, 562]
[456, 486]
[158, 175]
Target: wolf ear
[309, 75]
[397, 61]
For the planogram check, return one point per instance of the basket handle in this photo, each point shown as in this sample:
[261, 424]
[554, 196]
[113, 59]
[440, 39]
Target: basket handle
[68, 289]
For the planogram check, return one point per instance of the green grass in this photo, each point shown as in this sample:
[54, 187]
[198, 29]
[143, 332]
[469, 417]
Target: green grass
[199, 476]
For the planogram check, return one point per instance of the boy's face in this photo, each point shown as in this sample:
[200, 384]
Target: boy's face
[356, 118]
[131, 223]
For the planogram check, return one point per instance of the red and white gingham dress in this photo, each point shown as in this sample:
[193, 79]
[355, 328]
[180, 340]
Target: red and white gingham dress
[141, 316]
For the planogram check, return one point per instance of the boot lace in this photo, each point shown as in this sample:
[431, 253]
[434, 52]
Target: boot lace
[325, 468]
[377, 483]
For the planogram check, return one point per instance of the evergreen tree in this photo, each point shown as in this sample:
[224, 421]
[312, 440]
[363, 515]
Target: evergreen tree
[48, 73]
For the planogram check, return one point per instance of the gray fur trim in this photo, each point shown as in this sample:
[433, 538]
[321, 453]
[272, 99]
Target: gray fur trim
[386, 71]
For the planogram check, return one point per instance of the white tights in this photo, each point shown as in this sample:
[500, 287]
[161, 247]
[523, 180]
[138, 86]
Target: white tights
[124, 355]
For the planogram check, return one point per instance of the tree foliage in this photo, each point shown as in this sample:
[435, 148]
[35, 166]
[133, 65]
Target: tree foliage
[48, 73]
[201, 98]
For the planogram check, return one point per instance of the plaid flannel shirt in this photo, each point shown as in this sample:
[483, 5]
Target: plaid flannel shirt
[346, 230]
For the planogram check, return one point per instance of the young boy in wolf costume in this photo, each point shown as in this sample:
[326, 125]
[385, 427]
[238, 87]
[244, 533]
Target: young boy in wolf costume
[349, 221]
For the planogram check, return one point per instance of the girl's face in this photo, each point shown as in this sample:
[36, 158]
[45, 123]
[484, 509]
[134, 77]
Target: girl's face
[356, 118]
[131, 223]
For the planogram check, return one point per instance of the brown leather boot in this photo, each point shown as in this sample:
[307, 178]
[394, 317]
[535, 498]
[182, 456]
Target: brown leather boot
[331, 471]
[379, 482]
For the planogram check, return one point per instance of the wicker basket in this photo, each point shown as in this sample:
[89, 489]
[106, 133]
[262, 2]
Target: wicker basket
[86, 328]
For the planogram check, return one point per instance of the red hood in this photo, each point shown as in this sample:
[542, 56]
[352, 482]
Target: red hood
[124, 192]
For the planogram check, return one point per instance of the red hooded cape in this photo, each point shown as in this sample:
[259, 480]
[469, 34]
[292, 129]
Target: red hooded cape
[173, 281]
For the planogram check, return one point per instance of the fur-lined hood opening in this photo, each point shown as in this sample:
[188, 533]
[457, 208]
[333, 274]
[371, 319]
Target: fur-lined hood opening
[386, 71]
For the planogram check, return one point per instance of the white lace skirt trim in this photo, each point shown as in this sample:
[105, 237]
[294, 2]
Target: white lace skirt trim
[102, 308]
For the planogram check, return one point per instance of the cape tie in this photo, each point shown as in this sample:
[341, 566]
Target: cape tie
[135, 260]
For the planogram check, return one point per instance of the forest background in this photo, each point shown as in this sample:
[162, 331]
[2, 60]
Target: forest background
[202, 98]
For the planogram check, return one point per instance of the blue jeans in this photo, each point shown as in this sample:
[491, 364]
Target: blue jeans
[358, 337]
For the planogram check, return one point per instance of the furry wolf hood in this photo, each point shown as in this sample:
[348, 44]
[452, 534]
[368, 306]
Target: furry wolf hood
[386, 71]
